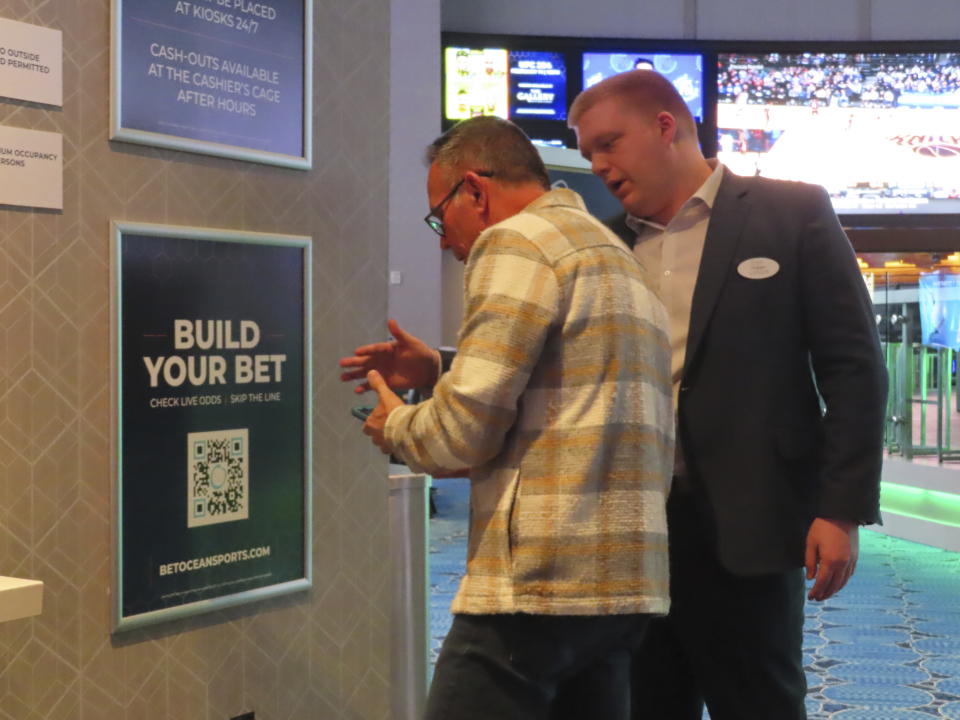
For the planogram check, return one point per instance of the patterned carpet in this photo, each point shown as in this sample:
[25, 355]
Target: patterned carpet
[886, 648]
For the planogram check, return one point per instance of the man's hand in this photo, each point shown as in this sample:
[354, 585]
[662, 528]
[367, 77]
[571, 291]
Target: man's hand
[832, 550]
[404, 362]
[377, 421]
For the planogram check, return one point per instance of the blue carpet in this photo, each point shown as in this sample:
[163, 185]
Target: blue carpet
[886, 648]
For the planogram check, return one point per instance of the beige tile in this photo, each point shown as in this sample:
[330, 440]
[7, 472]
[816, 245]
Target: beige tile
[188, 692]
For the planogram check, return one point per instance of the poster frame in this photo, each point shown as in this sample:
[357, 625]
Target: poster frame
[121, 622]
[207, 147]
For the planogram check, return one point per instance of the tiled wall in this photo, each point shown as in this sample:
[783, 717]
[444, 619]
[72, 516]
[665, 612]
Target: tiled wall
[318, 655]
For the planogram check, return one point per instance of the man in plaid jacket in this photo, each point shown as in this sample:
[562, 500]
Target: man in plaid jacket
[559, 403]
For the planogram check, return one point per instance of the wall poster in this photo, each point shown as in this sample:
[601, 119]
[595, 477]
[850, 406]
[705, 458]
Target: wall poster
[213, 441]
[221, 77]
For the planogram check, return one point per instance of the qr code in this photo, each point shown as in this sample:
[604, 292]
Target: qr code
[218, 488]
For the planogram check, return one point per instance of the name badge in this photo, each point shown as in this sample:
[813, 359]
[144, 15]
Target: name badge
[758, 268]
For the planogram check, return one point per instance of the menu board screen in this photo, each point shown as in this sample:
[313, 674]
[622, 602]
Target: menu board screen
[476, 82]
[538, 85]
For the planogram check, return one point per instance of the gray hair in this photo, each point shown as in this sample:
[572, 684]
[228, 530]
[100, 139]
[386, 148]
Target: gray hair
[491, 144]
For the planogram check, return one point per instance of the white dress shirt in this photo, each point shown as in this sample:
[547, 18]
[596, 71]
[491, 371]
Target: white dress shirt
[671, 256]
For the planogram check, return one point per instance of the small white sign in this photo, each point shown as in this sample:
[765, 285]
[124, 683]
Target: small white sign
[31, 168]
[758, 268]
[31, 63]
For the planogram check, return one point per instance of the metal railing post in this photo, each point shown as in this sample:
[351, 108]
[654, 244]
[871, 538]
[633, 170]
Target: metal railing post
[409, 544]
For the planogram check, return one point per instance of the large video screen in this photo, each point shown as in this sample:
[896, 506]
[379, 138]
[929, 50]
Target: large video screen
[685, 71]
[513, 84]
[878, 130]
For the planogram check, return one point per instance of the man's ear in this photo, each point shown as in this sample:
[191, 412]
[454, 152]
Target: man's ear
[477, 188]
[668, 126]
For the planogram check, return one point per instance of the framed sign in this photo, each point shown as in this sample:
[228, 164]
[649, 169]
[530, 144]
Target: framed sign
[212, 337]
[221, 77]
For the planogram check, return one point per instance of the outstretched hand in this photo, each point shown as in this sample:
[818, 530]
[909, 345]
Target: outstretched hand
[387, 400]
[405, 362]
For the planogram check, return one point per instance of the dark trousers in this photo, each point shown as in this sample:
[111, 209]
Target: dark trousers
[733, 642]
[535, 667]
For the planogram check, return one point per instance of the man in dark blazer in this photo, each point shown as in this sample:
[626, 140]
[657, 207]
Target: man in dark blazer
[780, 389]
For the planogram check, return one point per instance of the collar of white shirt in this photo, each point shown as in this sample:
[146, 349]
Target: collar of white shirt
[706, 194]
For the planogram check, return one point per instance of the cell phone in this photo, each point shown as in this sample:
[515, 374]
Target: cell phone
[361, 413]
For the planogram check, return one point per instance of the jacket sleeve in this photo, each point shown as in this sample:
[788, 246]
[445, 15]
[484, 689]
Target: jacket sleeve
[512, 299]
[849, 369]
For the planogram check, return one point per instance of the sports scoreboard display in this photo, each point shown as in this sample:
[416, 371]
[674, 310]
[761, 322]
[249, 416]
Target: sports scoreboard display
[878, 130]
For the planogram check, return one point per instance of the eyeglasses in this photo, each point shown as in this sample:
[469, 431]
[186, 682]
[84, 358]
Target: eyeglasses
[434, 218]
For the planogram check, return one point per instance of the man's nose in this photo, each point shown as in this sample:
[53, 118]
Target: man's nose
[599, 166]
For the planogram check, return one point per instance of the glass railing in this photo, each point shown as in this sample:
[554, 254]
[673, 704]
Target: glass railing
[916, 297]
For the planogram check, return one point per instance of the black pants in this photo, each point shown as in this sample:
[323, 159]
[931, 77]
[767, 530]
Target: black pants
[535, 667]
[730, 641]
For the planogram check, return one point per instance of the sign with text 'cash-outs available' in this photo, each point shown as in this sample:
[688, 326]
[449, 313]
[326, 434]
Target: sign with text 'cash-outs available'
[31, 168]
[31, 63]
[213, 419]
[221, 77]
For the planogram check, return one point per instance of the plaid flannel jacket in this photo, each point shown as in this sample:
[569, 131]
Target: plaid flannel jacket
[559, 402]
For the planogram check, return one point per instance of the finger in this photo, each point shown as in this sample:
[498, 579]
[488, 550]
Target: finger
[375, 348]
[848, 573]
[377, 383]
[399, 334]
[833, 586]
[362, 388]
[353, 375]
[354, 361]
[822, 581]
[810, 560]
[832, 574]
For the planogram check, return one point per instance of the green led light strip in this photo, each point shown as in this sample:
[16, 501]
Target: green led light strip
[933, 506]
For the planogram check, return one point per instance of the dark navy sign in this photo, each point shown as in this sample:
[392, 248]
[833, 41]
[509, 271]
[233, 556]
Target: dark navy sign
[538, 85]
[212, 418]
[229, 72]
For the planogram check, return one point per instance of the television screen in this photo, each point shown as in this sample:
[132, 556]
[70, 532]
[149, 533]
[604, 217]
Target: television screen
[476, 82]
[878, 130]
[514, 84]
[939, 296]
[685, 71]
[538, 85]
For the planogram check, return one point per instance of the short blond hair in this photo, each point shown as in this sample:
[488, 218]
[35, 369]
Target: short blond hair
[645, 90]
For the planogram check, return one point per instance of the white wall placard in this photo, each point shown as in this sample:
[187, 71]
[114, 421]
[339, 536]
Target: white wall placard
[31, 168]
[31, 63]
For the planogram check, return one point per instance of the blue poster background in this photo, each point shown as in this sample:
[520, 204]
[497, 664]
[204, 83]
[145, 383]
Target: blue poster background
[939, 295]
[224, 71]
